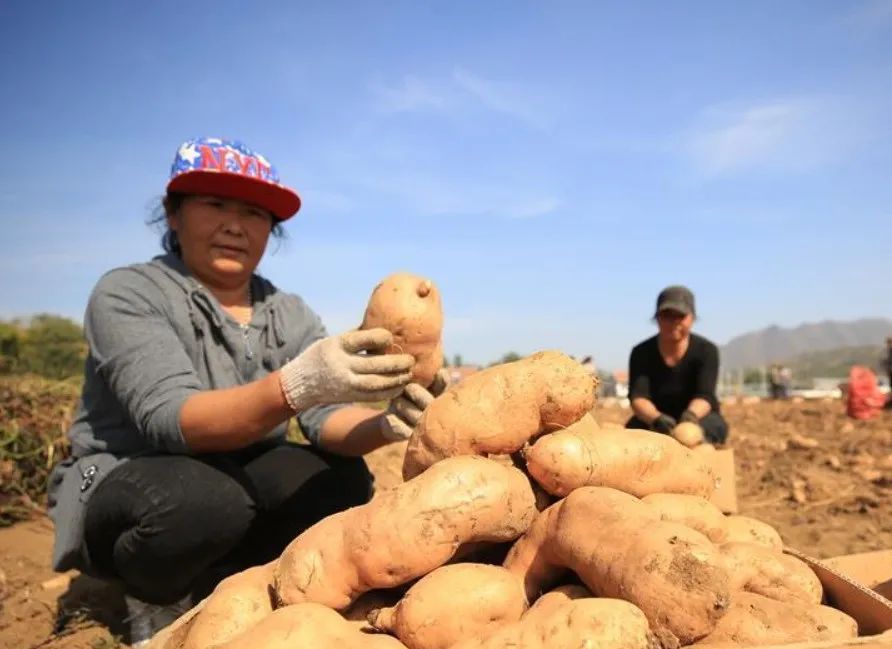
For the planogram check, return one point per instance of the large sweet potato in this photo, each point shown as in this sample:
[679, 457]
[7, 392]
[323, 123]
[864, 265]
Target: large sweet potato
[497, 410]
[237, 603]
[756, 620]
[743, 529]
[453, 603]
[619, 547]
[590, 622]
[405, 532]
[767, 572]
[638, 462]
[694, 511]
[308, 625]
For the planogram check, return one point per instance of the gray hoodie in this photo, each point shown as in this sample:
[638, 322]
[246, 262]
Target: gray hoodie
[156, 337]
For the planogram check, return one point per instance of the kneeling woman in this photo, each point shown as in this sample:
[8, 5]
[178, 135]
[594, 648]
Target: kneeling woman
[672, 376]
[180, 471]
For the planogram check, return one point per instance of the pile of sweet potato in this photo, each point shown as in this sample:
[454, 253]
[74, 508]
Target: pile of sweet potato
[524, 523]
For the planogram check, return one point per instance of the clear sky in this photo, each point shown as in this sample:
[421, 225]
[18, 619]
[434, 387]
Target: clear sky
[551, 165]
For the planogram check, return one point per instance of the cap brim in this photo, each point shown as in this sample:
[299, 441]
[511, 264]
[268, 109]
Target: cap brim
[669, 305]
[281, 201]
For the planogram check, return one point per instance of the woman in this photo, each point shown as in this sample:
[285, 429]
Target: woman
[180, 472]
[672, 376]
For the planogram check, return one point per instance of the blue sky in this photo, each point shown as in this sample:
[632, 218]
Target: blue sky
[551, 165]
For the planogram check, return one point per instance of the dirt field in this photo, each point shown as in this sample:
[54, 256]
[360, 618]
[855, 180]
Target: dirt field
[824, 481]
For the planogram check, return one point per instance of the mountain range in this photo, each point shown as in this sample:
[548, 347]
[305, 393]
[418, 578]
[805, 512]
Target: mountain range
[776, 344]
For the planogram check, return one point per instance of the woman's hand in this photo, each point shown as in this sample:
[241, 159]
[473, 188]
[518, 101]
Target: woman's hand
[334, 370]
[405, 411]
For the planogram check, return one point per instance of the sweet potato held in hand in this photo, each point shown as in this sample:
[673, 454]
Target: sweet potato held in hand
[409, 307]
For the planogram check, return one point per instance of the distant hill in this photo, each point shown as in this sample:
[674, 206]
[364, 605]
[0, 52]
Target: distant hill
[834, 362]
[774, 344]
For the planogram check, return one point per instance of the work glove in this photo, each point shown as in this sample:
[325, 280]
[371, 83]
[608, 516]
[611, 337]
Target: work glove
[405, 411]
[689, 415]
[663, 424]
[334, 370]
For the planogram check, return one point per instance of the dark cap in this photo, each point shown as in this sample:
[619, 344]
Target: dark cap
[676, 298]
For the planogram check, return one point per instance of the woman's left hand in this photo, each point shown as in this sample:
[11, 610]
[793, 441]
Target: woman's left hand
[405, 411]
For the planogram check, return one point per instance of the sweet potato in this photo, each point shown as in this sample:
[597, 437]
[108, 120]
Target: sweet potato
[693, 511]
[554, 599]
[767, 572]
[756, 620]
[688, 433]
[590, 622]
[405, 532]
[237, 603]
[744, 529]
[638, 462]
[409, 307]
[619, 547]
[308, 625]
[452, 603]
[500, 408]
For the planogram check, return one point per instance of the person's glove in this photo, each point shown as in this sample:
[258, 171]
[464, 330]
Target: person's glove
[333, 370]
[689, 415]
[405, 411]
[663, 424]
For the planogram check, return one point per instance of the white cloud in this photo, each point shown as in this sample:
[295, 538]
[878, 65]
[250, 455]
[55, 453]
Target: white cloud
[782, 135]
[464, 91]
[510, 99]
[410, 94]
[436, 195]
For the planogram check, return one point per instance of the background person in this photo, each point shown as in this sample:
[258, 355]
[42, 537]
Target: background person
[673, 375]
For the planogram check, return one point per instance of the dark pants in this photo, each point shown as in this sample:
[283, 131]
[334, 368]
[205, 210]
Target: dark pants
[162, 524]
[715, 428]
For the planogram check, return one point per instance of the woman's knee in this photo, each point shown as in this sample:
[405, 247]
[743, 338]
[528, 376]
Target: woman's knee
[171, 507]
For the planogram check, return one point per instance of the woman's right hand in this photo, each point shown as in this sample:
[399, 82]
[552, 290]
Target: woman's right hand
[334, 370]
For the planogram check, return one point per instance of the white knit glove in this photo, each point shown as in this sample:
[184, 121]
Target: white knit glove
[333, 370]
[405, 411]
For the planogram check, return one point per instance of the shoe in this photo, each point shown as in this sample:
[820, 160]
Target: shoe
[144, 620]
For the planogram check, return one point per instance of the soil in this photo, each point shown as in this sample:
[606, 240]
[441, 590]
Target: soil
[823, 480]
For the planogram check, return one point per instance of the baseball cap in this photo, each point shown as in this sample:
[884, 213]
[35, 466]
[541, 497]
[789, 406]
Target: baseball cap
[676, 298]
[229, 169]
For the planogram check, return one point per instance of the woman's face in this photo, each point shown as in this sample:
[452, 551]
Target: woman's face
[221, 239]
[674, 325]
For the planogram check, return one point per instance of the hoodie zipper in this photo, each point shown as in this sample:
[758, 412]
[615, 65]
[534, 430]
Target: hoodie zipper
[249, 353]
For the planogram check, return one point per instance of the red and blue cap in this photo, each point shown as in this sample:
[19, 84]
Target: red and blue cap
[229, 169]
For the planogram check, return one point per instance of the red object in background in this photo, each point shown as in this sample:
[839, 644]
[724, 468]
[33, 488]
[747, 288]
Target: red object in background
[863, 398]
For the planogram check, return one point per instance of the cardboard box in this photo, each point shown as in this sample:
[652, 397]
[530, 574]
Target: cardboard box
[725, 496]
[873, 569]
[871, 610]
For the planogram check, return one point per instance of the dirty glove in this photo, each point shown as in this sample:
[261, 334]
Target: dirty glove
[663, 424]
[405, 411]
[689, 415]
[333, 370]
